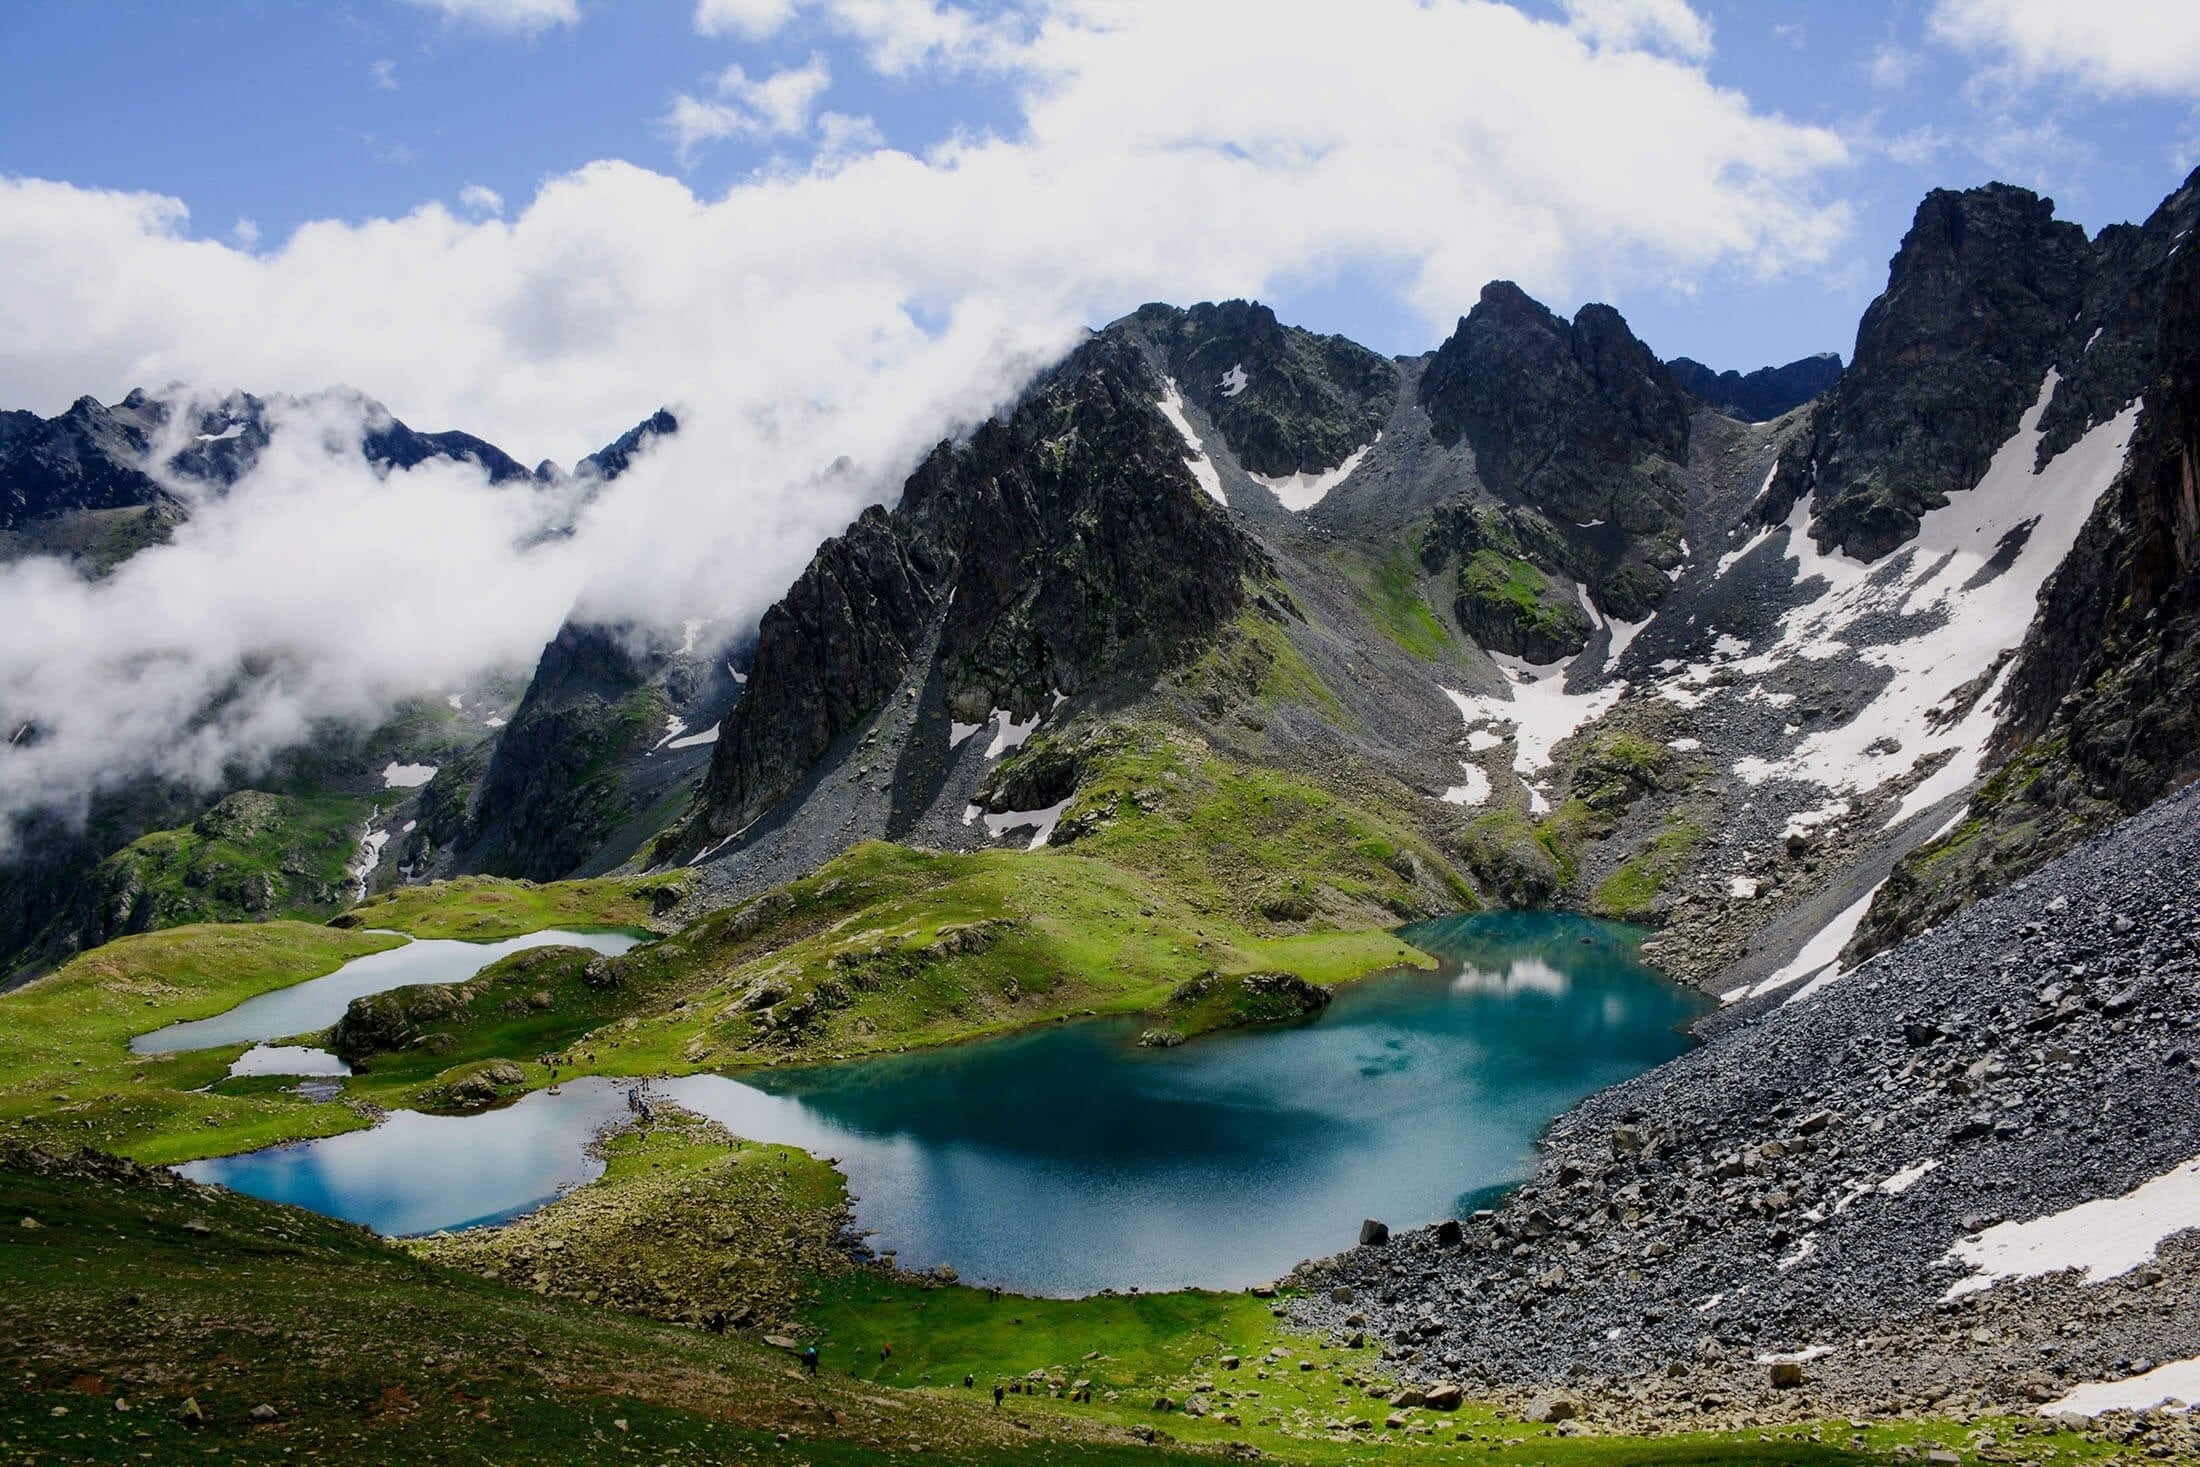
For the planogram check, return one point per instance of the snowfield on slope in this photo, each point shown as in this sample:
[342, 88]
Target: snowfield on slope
[1968, 584]
[1203, 469]
[1302, 491]
[1540, 711]
[2107, 1237]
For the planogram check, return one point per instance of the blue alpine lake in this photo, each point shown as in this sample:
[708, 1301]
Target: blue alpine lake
[1065, 1159]
[320, 1002]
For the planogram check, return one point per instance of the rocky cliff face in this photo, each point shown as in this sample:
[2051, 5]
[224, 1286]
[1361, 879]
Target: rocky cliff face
[1287, 400]
[1759, 396]
[588, 753]
[2104, 700]
[1988, 293]
[89, 457]
[1582, 436]
[1574, 420]
[1061, 546]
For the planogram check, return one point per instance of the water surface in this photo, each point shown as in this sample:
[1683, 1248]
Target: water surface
[1066, 1159]
[320, 1002]
[417, 1173]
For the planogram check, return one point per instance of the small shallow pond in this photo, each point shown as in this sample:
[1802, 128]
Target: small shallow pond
[320, 1002]
[1066, 1159]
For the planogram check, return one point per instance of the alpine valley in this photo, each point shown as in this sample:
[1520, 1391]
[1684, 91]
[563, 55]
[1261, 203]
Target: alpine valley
[1233, 677]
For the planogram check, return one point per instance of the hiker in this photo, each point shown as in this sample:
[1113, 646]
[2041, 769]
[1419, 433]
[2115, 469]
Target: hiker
[999, 1391]
[885, 1352]
[809, 1359]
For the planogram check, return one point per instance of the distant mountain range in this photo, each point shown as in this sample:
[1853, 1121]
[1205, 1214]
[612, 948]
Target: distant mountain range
[1303, 555]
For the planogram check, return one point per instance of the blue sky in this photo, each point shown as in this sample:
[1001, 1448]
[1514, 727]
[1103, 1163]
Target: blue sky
[278, 113]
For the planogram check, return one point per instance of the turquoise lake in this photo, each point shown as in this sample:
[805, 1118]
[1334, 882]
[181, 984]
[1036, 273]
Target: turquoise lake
[1067, 1160]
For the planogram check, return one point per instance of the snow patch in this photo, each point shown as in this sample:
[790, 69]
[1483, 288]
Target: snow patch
[1234, 380]
[1172, 408]
[1623, 637]
[1475, 790]
[1008, 733]
[1541, 713]
[997, 826]
[696, 740]
[457, 702]
[397, 776]
[370, 856]
[237, 429]
[2107, 1238]
[1795, 1357]
[1803, 822]
[674, 727]
[1685, 746]
[492, 721]
[1822, 952]
[2176, 1385]
[1902, 1181]
[1302, 491]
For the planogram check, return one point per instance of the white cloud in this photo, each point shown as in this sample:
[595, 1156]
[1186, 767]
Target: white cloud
[895, 36]
[1162, 152]
[1892, 67]
[752, 19]
[477, 198]
[245, 234]
[1920, 146]
[516, 17]
[1668, 25]
[384, 75]
[901, 36]
[778, 105]
[2117, 47]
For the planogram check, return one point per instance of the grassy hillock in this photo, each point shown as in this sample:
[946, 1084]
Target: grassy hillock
[252, 856]
[66, 1071]
[489, 908]
[148, 1318]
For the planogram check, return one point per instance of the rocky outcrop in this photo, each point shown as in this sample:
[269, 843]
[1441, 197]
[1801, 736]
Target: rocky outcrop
[253, 856]
[89, 458]
[2104, 701]
[549, 795]
[381, 1023]
[1988, 292]
[1759, 396]
[1287, 400]
[1579, 421]
[1581, 435]
[1062, 545]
